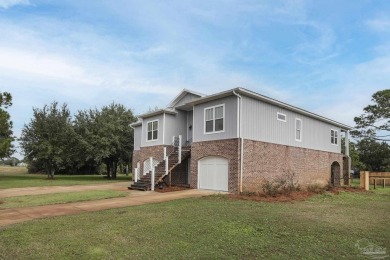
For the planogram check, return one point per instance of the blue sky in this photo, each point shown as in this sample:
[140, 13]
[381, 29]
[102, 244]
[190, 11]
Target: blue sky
[325, 56]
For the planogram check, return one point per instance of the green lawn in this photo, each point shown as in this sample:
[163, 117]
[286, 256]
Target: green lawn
[58, 198]
[17, 177]
[324, 227]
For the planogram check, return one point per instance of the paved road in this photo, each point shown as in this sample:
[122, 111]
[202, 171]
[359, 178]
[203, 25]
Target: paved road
[12, 216]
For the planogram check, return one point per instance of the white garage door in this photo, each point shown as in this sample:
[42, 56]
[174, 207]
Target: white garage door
[213, 173]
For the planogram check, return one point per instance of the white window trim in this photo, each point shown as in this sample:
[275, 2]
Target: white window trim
[285, 117]
[335, 131]
[204, 119]
[301, 130]
[158, 127]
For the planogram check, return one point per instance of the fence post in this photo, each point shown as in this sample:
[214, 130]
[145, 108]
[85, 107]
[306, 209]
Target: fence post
[166, 165]
[165, 152]
[179, 149]
[367, 180]
[135, 177]
[362, 174]
[152, 180]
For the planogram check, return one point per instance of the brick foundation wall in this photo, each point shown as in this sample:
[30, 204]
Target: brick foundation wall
[266, 160]
[228, 148]
[144, 153]
[180, 173]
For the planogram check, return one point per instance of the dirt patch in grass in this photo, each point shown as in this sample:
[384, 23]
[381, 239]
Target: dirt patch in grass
[294, 196]
[172, 188]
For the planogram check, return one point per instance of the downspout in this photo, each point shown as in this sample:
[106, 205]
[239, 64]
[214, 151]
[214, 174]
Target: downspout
[239, 109]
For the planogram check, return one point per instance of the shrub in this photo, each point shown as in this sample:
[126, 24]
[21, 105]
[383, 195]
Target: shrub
[282, 184]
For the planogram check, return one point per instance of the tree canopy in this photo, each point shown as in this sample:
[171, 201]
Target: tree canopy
[56, 142]
[46, 138]
[106, 135]
[374, 123]
[6, 134]
[374, 155]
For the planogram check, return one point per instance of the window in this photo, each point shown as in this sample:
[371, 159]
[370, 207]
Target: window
[214, 119]
[333, 136]
[281, 117]
[152, 130]
[298, 129]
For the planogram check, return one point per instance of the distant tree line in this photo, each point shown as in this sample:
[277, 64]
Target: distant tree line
[54, 142]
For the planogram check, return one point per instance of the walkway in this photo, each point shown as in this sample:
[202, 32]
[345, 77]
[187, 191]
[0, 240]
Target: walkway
[4, 193]
[12, 216]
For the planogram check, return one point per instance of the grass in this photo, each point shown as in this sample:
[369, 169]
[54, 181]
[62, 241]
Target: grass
[17, 177]
[58, 198]
[326, 226]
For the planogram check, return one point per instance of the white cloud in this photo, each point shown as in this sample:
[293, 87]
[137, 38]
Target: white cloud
[44, 65]
[379, 24]
[10, 3]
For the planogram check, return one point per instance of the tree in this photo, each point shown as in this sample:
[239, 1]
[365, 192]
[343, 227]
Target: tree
[6, 138]
[89, 154]
[375, 155]
[116, 136]
[105, 136]
[374, 123]
[49, 138]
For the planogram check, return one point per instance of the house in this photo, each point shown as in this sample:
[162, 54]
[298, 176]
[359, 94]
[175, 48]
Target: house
[232, 140]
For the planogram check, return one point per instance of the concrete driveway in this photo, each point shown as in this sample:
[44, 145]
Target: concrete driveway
[16, 215]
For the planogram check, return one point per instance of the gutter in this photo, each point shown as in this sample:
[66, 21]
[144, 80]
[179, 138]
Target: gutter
[239, 109]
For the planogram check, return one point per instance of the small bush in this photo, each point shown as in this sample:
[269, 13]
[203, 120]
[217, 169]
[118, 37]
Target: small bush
[270, 188]
[283, 184]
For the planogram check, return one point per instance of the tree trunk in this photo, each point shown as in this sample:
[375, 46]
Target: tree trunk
[108, 170]
[52, 173]
[114, 169]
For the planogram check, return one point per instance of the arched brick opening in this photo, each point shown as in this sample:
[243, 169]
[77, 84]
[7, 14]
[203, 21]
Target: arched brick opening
[335, 174]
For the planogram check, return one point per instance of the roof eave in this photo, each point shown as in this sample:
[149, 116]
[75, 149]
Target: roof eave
[158, 112]
[138, 123]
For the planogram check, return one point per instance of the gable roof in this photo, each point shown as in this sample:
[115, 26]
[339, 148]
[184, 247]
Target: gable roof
[181, 95]
[248, 93]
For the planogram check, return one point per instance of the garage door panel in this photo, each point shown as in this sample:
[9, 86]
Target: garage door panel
[213, 173]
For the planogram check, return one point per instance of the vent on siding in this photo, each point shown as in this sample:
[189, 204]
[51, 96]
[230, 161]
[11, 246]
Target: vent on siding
[281, 117]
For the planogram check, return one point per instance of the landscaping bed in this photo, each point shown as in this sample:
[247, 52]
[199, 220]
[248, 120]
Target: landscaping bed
[293, 196]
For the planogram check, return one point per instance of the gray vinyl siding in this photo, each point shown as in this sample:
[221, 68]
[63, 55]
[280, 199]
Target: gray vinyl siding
[189, 123]
[159, 140]
[230, 120]
[175, 125]
[137, 137]
[259, 122]
[187, 98]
